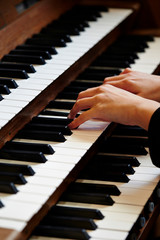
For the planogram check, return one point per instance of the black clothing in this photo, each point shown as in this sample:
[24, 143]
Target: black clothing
[154, 137]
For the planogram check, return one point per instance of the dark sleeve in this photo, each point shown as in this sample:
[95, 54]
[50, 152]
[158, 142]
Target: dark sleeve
[154, 137]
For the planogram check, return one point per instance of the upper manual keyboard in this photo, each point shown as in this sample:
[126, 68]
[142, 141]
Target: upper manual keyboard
[46, 65]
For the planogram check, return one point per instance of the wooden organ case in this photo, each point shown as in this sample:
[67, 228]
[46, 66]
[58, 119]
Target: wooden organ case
[19, 21]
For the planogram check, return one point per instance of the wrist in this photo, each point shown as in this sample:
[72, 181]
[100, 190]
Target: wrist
[144, 112]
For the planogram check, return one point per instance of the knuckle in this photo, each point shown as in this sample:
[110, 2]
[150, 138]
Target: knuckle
[79, 95]
[101, 89]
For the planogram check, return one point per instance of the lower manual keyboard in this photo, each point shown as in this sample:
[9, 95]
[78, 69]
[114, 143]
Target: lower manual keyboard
[133, 205]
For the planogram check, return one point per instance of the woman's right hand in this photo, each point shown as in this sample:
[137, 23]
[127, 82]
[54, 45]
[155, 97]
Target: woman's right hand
[112, 104]
[142, 84]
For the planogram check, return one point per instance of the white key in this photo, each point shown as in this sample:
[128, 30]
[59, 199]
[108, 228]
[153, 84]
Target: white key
[23, 197]
[11, 224]
[12, 103]
[120, 225]
[8, 109]
[111, 235]
[105, 209]
[19, 211]
[35, 188]
[131, 184]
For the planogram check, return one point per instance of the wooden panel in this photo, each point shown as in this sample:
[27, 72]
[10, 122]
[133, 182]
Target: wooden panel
[8, 10]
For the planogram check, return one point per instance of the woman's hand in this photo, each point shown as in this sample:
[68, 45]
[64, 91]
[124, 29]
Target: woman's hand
[112, 104]
[142, 84]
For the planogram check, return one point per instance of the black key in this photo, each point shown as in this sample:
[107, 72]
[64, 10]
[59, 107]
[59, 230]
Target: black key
[46, 127]
[71, 31]
[41, 135]
[13, 73]
[23, 59]
[86, 84]
[18, 155]
[88, 14]
[64, 25]
[83, 197]
[134, 48]
[1, 204]
[9, 82]
[1, 98]
[69, 21]
[8, 187]
[103, 158]
[54, 113]
[44, 54]
[118, 147]
[117, 57]
[49, 49]
[130, 131]
[92, 8]
[111, 167]
[27, 67]
[75, 211]
[17, 168]
[68, 221]
[4, 89]
[147, 38]
[48, 33]
[102, 71]
[143, 141]
[16, 178]
[35, 147]
[93, 76]
[60, 104]
[104, 176]
[45, 120]
[46, 42]
[116, 50]
[97, 74]
[67, 95]
[111, 63]
[91, 188]
[74, 89]
[84, 17]
[61, 232]
[113, 54]
[124, 41]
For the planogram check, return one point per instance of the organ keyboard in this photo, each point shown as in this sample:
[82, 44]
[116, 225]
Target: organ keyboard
[59, 157]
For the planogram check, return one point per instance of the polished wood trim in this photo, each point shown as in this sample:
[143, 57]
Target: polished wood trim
[152, 217]
[153, 31]
[115, 4]
[8, 234]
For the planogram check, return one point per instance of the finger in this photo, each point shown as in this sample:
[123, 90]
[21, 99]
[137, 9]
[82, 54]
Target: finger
[81, 104]
[127, 70]
[87, 93]
[83, 117]
[114, 78]
[127, 85]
